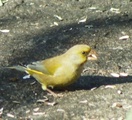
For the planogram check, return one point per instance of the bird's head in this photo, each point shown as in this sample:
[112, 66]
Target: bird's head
[78, 54]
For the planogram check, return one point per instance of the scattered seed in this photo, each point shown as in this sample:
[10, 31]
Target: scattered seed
[89, 26]
[35, 93]
[26, 77]
[38, 113]
[123, 33]
[84, 19]
[125, 37]
[35, 109]
[117, 48]
[1, 111]
[115, 74]
[33, 83]
[110, 86]
[31, 3]
[1, 3]
[60, 110]
[46, 98]
[17, 102]
[115, 10]
[60, 18]
[117, 105]
[56, 24]
[92, 8]
[123, 74]
[92, 57]
[5, 31]
[10, 115]
[85, 70]
[84, 101]
[99, 11]
[50, 104]
[93, 88]
[119, 92]
[70, 28]
[27, 111]
[41, 100]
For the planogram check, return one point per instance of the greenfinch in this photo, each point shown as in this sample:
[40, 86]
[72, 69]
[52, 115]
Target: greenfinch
[58, 71]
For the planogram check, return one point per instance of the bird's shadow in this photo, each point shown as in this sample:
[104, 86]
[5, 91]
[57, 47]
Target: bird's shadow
[89, 82]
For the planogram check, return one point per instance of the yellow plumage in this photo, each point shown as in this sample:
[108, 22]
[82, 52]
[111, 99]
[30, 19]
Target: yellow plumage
[58, 71]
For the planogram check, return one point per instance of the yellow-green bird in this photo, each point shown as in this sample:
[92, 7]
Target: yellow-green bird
[59, 71]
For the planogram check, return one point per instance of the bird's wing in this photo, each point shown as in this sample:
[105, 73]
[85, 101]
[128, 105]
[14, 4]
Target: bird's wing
[38, 66]
[48, 66]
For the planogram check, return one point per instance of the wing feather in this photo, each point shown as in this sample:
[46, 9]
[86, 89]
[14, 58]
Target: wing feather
[48, 66]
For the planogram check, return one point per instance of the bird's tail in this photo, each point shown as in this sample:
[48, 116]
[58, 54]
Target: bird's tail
[26, 69]
[19, 68]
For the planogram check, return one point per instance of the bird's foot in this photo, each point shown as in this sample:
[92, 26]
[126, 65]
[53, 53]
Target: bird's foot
[53, 93]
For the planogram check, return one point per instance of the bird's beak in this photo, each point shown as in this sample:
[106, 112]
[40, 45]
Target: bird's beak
[92, 55]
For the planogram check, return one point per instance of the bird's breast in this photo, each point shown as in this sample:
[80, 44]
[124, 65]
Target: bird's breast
[67, 75]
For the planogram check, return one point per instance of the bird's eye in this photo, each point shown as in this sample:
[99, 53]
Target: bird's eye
[83, 52]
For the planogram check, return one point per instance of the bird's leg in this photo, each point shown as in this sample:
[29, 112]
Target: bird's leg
[50, 91]
[54, 94]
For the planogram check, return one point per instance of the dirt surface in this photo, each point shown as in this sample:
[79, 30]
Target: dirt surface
[35, 33]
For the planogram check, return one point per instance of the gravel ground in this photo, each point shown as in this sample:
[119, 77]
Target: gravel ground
[31, 30]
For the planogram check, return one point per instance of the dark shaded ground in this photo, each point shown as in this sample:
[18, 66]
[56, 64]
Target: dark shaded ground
[32, 38]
